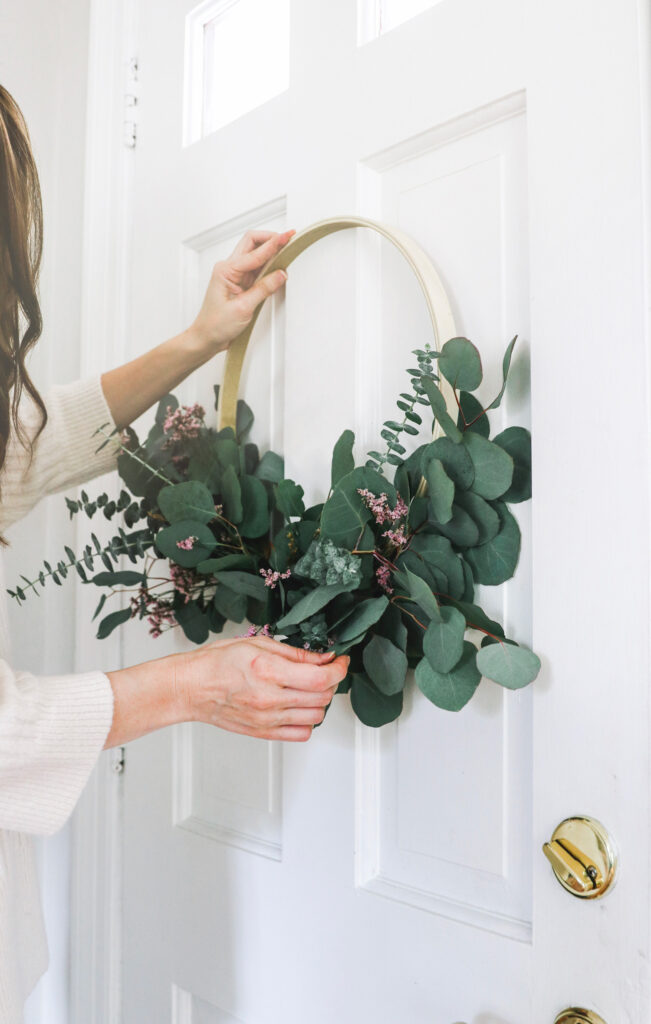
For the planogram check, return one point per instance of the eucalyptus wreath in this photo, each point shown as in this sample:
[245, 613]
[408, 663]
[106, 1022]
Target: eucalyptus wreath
[383, 570]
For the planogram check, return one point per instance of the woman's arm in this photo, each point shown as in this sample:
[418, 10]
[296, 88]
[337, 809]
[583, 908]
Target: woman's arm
[255, 686]
[231, 299]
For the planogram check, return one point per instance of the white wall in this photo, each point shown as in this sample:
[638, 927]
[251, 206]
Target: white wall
[43, 63]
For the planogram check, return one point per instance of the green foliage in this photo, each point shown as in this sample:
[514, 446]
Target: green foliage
[383, 570]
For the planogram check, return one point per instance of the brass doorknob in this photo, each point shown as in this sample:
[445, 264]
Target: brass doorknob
[575, 1015]
[583, 858]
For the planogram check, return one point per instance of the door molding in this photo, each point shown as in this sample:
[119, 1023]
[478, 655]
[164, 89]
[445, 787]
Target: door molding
[96, 887]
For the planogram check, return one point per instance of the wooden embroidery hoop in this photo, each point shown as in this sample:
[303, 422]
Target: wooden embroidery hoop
[437, 301]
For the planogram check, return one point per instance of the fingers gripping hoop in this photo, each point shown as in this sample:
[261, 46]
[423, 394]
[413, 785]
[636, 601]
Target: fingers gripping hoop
[436, 299]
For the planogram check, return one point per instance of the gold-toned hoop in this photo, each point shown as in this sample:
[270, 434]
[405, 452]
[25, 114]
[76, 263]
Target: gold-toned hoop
[437, 301]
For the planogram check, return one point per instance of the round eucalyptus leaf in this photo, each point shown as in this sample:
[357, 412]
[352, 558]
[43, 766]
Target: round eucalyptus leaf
[517, 442]
[456, 460]
[385, 664]
[460, 364]
[508, 665]
[372, 707]
[190, 500]
[495, 561]
[443, 641]
[450, 690]
[482, 514]
[493, 466]
[198, 538]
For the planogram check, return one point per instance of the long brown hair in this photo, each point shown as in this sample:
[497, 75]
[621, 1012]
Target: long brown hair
[21, 246]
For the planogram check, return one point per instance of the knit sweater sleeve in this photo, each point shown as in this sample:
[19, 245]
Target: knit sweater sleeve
[64, 453]
[52, 728]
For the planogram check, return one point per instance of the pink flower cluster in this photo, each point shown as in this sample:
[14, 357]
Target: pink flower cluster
[187, 544]
[379, 506]
[396, 537]
[258, 631]
[183, 422]
[184, 580]
[159, 613]
[272, 577]
[383, 576]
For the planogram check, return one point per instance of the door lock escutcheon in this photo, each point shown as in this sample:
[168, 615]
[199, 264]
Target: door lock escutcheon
[584, 860]
[575, 1015]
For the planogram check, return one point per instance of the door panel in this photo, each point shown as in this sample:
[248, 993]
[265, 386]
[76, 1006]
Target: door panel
[396, 875]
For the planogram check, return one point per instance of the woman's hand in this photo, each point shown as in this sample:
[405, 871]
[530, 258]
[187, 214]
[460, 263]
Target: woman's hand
[235, 291]
[257, 686]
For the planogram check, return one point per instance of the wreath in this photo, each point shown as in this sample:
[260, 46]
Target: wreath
[383, 570]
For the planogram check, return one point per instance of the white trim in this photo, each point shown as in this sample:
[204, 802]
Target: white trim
[95, 940]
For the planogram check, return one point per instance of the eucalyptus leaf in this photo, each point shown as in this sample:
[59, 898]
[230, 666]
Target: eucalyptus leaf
[482, 514]
[456, 460]
[215, 565]
[385, 665]
[244, 583]
[472, 415]
[517, 442]
[361, 618]
[271, 468]
[372, 707]
[439, 408]
[123, 578]
[343, 462]
[193, 621]
[460, 364]
[230, 603]
[289, 498]
[506, 365]
[461, 530]
[169, 538]
[190, 500]
[232, 496]
[443, 641]
[441, 490]
[255, 507]
[312, 603]
[508, 665]
[493, 466]
[495, 561]
[422, 595]
[451, 690]
[110, 622]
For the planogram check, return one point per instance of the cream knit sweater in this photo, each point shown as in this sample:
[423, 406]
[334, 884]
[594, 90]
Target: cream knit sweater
[52, 728]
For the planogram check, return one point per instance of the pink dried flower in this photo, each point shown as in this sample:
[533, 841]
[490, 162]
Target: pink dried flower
[272, 577]
[396, 537]
[187, 544]
[184, 422]
[159, 613]
[383, 575]
[184, 580]
[379, 506]
[257, 631]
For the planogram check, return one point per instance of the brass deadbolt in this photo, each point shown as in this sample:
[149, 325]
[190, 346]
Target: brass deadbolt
[575, 1015]
[584, 860]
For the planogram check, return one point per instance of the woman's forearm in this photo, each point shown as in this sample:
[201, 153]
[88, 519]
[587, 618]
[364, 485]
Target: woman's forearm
[234, 293]
[133, 388]
[145, 698]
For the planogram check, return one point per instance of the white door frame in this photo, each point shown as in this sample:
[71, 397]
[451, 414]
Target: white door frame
[96, 888]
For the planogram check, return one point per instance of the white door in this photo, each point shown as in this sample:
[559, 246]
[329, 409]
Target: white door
[397, 875]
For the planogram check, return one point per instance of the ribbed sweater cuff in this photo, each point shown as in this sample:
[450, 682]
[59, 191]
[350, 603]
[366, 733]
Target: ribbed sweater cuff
[84, 410]
[72, 717]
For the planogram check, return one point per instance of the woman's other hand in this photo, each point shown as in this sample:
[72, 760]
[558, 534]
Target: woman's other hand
[235, 291]
[259, 687]
[255, 686]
